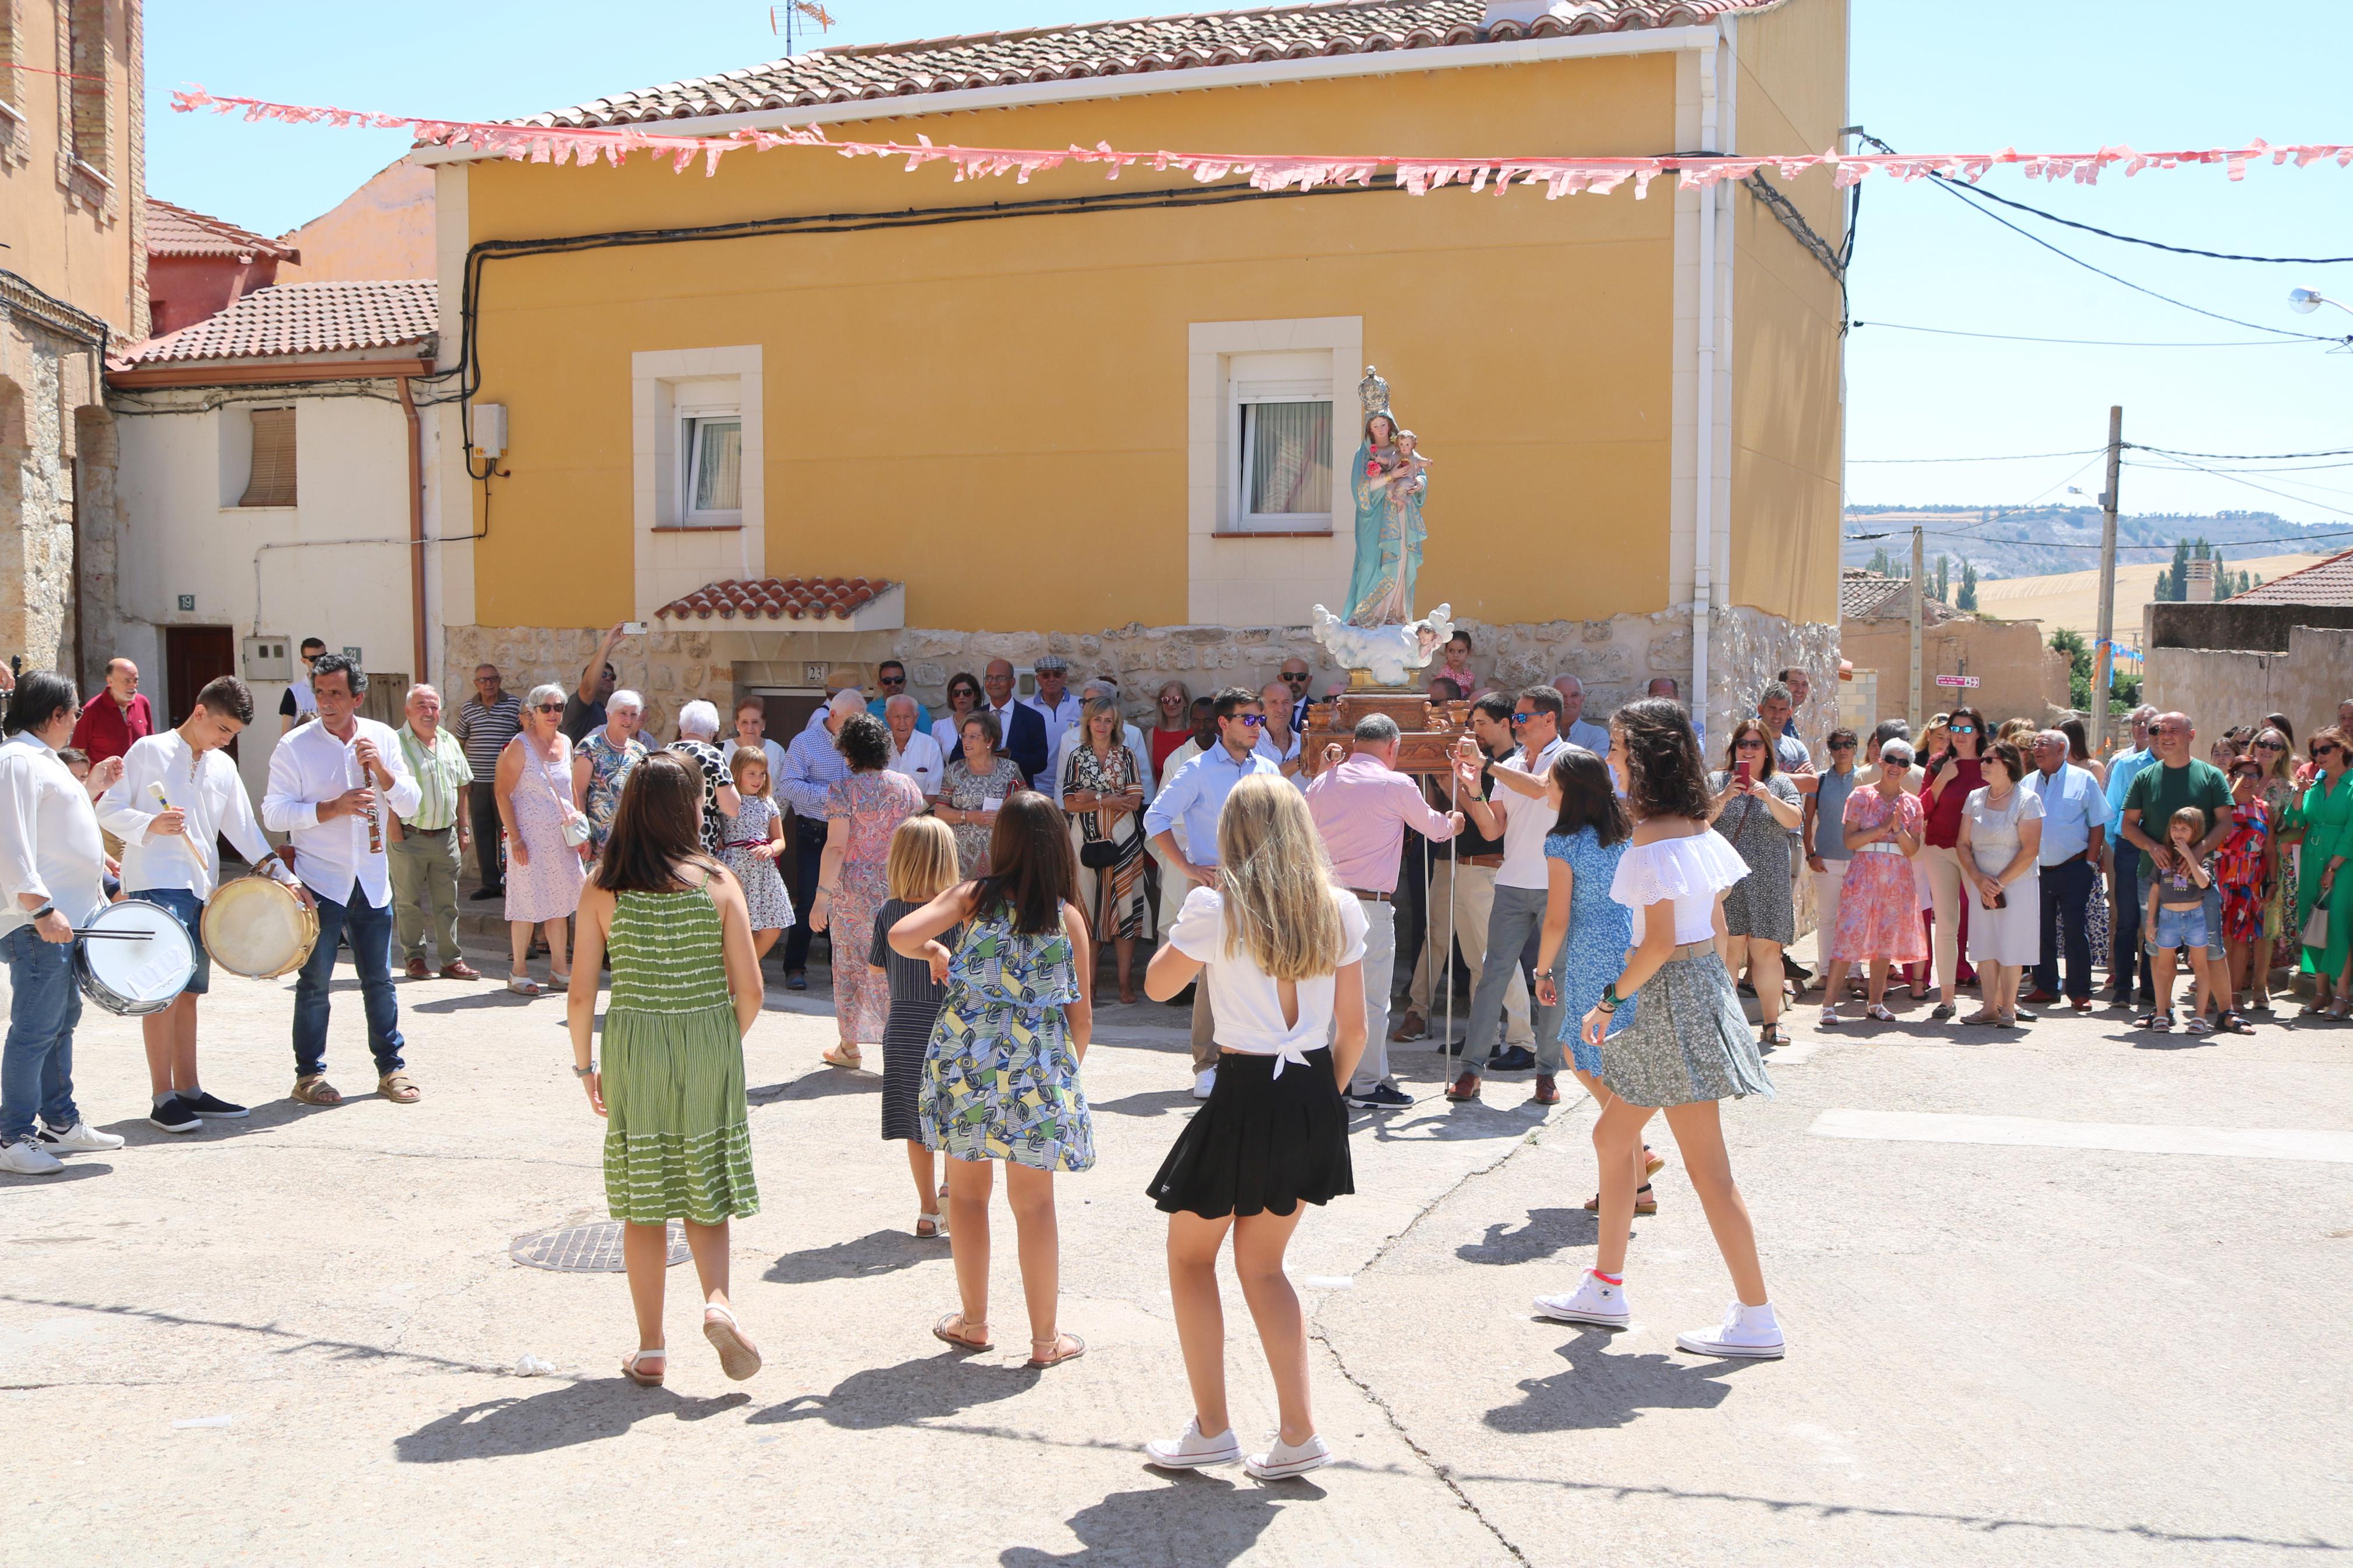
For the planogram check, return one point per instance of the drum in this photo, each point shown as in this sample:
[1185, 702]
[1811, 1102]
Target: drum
[139, 964]
[257, 927]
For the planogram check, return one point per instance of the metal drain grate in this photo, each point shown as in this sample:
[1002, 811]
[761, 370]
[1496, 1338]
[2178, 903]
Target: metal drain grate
[587, 1249]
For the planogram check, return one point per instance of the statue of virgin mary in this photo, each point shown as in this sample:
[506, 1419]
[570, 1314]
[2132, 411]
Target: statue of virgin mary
[1390, 480]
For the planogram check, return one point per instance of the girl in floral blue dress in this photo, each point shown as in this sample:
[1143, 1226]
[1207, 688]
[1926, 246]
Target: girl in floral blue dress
[1000, 1079]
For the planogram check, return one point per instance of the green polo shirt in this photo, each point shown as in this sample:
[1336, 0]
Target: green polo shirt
[2157, 791]
[440, 769]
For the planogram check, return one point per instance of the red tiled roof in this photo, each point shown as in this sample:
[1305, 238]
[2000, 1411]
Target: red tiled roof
[303, 318]
[780, 598]
[177, 231]
[1868, 597]
[869, 71]
[2328, 582]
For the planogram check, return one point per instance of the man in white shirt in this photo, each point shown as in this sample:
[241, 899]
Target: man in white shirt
[52, 871]
[1517, 815]
[1594, 738]
[1278, 743]
[298, 706]
[913, 753]
[324, 783]
[1055, 702]
[179, 796]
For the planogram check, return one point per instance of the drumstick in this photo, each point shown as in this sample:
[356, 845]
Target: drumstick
[156, 790]
[94, 934]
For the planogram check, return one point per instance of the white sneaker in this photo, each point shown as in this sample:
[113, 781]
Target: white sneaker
[1595, 1300]
[1282, 1460]
[1748, 1332]
[1830, 1020]
[81, 1138]
[1192, 1450]
[26, 1157]
[1204, 1081]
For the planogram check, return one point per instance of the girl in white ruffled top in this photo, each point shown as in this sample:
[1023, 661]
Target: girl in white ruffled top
[1689, 1045]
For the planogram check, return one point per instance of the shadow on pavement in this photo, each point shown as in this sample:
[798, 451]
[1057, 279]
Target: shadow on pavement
[137, 1132]
[1547, 1232]
[1202, 1521]
[913, 1390]
[588, 1411]
[1152, 1102]
[881, 1252]
[1600, 1390]
[823, 1084]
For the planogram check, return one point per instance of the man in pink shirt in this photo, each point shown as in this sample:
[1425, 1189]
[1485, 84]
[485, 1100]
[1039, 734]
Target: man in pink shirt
[1362, 807]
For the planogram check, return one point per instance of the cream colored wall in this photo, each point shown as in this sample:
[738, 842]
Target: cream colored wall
[2220, 688]
[995, 412]
[2020, 673]
[65, 237]
[1787, 425]
[384, 229]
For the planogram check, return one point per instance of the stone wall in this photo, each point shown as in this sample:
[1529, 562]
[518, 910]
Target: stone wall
[44, 380]
[715, 659]
[2221, 686]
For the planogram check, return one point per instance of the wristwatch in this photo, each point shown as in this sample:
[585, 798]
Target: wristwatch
[43, 912]
[584, 1072]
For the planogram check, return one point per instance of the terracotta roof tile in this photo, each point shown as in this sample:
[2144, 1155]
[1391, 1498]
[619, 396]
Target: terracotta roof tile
[871, 71]
[178, 231]
[779, 598]
[1865, 596]
[2328, 582]
[303, 318]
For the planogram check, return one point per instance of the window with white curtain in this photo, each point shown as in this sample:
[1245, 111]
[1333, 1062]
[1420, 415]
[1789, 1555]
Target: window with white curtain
[1282, 478]
[710, 468]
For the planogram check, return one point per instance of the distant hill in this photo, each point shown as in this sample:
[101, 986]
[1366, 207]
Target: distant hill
[2007, 541]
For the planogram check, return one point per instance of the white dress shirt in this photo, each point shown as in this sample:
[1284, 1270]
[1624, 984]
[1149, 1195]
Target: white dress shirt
[1059, 716]
[1130, 736]
[48, 837]
[310, 766]
[205, 785]
[1527, 820]
[922, 761]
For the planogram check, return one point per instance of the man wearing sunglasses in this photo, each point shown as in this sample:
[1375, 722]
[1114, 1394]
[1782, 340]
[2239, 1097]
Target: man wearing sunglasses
[2125, 898]
[1517, 815]
[892, 677]
[298, 706]
[1297, 679]
[1194, 795]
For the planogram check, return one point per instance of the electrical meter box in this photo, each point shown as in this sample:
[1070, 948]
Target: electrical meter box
[268, 658]
[490, 428]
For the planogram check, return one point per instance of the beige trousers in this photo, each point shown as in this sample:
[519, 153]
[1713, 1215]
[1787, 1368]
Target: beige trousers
[1944, 892]
[1465, 896]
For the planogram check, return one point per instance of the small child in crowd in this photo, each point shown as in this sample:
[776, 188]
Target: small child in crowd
[923, 866]
[2177, 914]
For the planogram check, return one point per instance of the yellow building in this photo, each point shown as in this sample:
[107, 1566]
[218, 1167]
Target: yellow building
[1025, 416]
[73, 280]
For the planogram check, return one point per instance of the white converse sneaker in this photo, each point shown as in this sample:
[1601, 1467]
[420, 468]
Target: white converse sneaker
[1748, 1332]
[1282, 1461]
[26, 1157]
[1192, 1450]
[81, 1138]
[1595, 1300]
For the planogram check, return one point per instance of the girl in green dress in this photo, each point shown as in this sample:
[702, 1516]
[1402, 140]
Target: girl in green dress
[686, 989]
[1000, 1078]
[2323, 824]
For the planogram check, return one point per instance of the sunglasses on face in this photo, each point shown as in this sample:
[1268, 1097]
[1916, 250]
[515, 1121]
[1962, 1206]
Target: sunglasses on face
[1965, 729]
[1295, 679]
[547, 707]
[1751, 744]
[1842, 745]
[894, 679]
[1253, 720]
[1520, 718]
[2323, 749]
[2271, 746]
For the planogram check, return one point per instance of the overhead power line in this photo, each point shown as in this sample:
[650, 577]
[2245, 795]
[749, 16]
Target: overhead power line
[2244, 456]
[2005, 457]
[2161, 245]
[2083, 342]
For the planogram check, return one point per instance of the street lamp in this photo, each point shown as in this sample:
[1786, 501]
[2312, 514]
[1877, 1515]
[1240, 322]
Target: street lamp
[2305, 301]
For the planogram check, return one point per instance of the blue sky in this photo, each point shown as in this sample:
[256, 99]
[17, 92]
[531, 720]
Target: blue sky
[2048, 75]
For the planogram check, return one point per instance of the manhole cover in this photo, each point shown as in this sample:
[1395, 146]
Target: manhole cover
[587, 1249]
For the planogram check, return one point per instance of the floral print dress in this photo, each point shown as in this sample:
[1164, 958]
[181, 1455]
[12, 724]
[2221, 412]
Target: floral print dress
[1000, 1080]
[873, 805]
[608, 770]
[1879, 908]
[2239, 869]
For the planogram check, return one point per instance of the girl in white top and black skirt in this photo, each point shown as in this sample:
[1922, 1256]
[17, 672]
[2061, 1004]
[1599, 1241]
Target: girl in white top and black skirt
[1689, 1045]
[1284, 948]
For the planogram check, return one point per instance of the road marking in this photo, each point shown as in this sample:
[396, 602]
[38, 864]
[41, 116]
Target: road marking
[1939, 1127]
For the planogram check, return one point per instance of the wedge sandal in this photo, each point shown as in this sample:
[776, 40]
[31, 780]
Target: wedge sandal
[739, 1358]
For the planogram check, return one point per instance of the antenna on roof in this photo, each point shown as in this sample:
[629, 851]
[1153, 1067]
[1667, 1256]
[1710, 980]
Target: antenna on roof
[793, 16]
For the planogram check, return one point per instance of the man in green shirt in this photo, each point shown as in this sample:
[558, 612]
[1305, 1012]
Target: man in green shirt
[431, 845]
[2175, 779]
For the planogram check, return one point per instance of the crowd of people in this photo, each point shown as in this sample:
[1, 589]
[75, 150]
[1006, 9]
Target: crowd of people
[1616, 901]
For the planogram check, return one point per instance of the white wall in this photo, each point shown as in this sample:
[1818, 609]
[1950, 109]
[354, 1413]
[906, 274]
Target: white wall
[292, 571]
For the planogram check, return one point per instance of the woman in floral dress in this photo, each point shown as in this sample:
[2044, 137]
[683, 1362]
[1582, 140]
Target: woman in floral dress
[1879, 903]
[1001, 1077]
[854, 882]
[2241, 868]
[972, 780]
[1102, 790]
[2276, 749]
[601, 764]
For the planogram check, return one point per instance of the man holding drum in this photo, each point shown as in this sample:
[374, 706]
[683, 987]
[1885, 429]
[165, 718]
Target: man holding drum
[179, 793]
[52, 868]
[323, 783]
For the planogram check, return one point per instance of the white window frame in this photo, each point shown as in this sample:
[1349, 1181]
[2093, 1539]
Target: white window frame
[688, 448]
[1240, 441]
[677, 552]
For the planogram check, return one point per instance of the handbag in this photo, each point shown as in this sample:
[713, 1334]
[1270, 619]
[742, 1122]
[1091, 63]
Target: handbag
[2315, 927]
[577, 830]
[1102, 854]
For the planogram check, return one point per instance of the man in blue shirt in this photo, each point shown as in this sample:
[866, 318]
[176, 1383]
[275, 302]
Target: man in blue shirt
[812, 765]
[2123, 875]
[1194, 795]
[892, 677]
[2076, 819]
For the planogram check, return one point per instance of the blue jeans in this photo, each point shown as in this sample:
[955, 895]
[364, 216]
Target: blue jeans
[2127, 954]
[2183, 928]
[2066, 899]
[44, 1005]
[370, 929]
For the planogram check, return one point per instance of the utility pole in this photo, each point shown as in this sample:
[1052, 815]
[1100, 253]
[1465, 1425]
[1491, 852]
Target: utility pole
[1919, 569]
[2103, 651]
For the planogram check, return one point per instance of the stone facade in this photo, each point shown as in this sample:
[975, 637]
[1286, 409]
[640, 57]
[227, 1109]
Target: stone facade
[716, 659]
[49, 414]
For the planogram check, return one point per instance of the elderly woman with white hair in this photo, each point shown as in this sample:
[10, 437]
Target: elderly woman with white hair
[545, 837]
[601, 764]
[1878, 905]
[698, 743]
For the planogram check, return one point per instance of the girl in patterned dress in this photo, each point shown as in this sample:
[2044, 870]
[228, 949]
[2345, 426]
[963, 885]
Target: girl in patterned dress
[686, 990]
[1879, 902]
[923, 866]
[1001, 1075]
[2243, 867]
[750, 841]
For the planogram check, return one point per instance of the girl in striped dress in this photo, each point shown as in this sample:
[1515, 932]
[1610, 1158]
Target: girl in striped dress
[922, 867]
[686, 989]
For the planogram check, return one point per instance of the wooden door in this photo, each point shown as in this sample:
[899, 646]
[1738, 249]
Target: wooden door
[194, 656]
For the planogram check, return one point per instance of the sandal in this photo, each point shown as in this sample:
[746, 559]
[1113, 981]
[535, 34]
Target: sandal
[844, 1059]
[563, 980]
[950, 1329]
[937, 1222]
[1055, 1354]
[631, 1362]
[1641, 1203]
[399, 1089]
[2159, 1020]
[1651, 1163]
[524, 985]
[314, 1090]
[1772, 1036]
[739, 1358]
[2233, 1023]
[1879, 1010]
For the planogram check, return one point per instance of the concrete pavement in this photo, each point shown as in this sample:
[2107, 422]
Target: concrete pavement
[2000, 1353]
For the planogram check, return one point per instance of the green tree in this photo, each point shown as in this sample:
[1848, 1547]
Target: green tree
[1944, 579]
[1879, 563]
[2079, 667]
[2164, 590]
[2176, 585]
[1968, 599]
